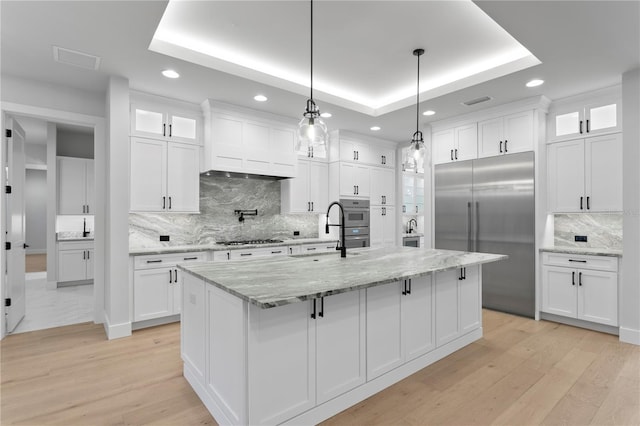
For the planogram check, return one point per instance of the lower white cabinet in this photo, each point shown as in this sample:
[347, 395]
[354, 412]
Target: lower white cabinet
[577, 290]
[157, 284]
[400, 324]
[75, 261]
[458, 304]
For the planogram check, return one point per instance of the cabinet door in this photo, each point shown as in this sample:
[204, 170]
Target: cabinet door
[148, 175]
[565, 173]
[295, 192]
[470, 300]
[148, 121]
[347, 179]
[419, 195]
[282, 149]
[227, 151]
[318, 184]
[408, 194]
[193, 324]
[566, 122]
[90, 186]
[384, 332]
[466, 142]
[89, 265]
[559, 291]
[598, 296]
[152, 293]
[603, 173]
[177, 291]
[443, 143]
[417, 318]
[282, 363]
[389, 226]
[72, 265]
[362, 181]
[490, 138]
[376, 226]
[340, 339]
[255, 142]
[184, 127]
[183, 177]
[71, 185]
[518, 132]
[378, 185]
[602, 117]
[447, 303]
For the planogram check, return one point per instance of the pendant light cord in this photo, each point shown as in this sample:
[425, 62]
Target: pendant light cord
[311, 95]
[418, 97]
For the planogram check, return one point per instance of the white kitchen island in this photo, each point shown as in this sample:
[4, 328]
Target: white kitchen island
[298, 339]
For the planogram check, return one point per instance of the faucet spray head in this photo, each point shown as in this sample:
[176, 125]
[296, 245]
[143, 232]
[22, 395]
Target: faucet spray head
[326, 226]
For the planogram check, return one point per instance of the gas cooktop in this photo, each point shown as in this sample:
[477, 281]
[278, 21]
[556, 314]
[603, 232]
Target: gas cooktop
[247, 242]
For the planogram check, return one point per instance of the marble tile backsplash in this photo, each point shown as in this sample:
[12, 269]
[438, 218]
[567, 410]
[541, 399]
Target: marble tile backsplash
[603, 230]
[219, 197]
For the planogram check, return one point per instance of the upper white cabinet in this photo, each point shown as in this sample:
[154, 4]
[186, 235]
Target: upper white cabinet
[412, 193]
[509, 134]
[353, 179]
[585, 175]
[164, 176]
[455, 144]
[585, 115]
[383, 186]
[165, 122]
[308, 191]
[348, 147]
[76, 193]
[246, 142]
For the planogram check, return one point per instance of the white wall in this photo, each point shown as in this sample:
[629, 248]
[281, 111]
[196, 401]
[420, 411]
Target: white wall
[117, 321]
[35, 199]
[36, 155]
[75, 144]
[630, 280]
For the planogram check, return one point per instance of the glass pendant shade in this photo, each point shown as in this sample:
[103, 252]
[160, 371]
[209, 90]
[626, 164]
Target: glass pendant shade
[415, 155]
[312, 132]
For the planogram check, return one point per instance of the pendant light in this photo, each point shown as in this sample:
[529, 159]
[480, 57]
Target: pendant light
[415, 154]
[312, 132]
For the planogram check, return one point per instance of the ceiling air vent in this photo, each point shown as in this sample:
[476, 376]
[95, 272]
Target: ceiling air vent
[477, 101]
[75, 58]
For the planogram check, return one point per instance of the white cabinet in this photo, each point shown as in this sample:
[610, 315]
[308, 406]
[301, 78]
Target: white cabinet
[353, 151]
[457, 303]
[575, 119]
[245, 143]
[76, 192]
[255, 252]
[352, 148]
[382, 156]
[164, 176]
[585, 175]
[313, 351]
[382, 226]
[164, 122]
[383, 186]
[308, 191]
[156, 284]
[509, 134]
[412, 193]
[399, 324]
[582, 287]
[354, 180]
[75, 261]
[456, 144]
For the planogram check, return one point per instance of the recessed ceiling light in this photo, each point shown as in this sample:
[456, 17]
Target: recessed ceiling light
[260, 98]
[534, 83]
[428, 112]
[325, 115]
[170, 74]
[375, 128]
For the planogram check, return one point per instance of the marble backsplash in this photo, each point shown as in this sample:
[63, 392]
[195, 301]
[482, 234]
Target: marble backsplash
[603, 230]
[219, 197]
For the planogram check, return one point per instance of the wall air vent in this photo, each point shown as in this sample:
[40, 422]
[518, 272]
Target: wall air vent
[75, 58]
[477, 101]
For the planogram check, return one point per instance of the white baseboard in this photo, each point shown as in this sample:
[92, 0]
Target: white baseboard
[36, 251]
[116, 331]
[629, 335]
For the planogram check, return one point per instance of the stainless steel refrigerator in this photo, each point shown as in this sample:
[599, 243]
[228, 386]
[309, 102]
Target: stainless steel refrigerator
[487, 205]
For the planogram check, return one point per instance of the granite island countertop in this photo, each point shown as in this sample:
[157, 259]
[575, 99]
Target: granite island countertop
[139, 251]
[583, 250]
[283, 280]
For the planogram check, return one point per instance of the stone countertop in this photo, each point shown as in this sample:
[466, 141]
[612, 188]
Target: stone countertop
[73, 236]
[413, 234]
[220, 247]
[584, 250]
[289, 279]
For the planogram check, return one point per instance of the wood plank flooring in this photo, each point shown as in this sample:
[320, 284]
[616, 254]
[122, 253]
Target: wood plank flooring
[35, 262]
[522, 372]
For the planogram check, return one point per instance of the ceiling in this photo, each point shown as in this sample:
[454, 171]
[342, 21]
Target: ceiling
[363, 47]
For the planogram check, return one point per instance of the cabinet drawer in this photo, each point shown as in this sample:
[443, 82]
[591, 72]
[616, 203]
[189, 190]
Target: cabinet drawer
[251, 253]
[167, 260]
[75, 245]
[602, 263]
[318, 248]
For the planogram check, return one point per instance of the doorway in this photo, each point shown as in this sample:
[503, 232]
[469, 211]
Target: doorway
[51, 299]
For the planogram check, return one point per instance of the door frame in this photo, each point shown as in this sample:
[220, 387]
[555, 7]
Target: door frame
[100, 158]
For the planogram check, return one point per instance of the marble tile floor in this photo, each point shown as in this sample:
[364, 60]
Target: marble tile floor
[47, 308]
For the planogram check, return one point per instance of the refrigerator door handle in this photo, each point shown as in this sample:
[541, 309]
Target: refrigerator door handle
[469, 227]
[476, 227]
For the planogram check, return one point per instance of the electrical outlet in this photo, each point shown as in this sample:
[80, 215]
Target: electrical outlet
[164, 238]
[296, 233]
[581, 238]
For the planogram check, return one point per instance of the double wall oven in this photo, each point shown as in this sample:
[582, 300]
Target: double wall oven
[356, 222]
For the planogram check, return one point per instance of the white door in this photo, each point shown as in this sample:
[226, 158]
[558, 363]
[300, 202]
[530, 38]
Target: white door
[362, 181]
[90, 187]
[559, 291]
[442, 143]
[152, 293]
[148, 121]
[470, 300]
[447, 305]
[417, 318]
[384, 329]
[598, 296]
[15, 225]
[603, 173]
[490, 139]
[72, 183]
[318, 185]
[89, 262]
[183, 127]
[518, 132]
[347, 179]
[565, 171]
[72, 265]
[389, 226]
[376, 226]
[148, 175]
[466, 147]
[183, 178]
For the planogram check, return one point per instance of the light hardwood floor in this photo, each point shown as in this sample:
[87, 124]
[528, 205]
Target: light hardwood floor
[522, 372]
[35, 263]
